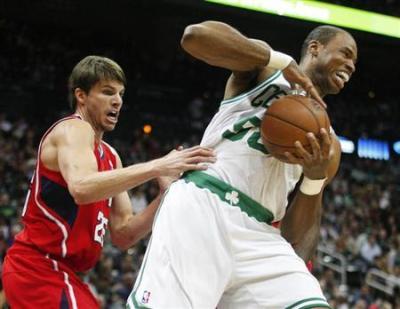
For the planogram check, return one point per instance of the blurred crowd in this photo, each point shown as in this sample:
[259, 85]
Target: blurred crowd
[178, 96]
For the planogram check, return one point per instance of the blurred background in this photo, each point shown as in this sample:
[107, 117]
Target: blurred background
[169, 101]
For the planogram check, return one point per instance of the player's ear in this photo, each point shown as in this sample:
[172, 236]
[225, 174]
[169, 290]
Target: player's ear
[80, 96]
[314, 48]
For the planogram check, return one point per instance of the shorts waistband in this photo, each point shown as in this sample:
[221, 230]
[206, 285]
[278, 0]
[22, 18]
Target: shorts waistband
[230, 195]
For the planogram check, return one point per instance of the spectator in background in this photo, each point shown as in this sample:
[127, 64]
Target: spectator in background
[370, 249]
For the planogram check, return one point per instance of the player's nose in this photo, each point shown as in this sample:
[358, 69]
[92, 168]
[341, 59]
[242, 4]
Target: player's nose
[117, 100]
[350, 66]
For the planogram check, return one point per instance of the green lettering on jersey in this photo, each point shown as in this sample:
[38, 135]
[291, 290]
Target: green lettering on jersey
[241, 128]
[255, 142]
[264, 98]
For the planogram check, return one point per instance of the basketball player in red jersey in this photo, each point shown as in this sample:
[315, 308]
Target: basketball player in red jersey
[79, 190]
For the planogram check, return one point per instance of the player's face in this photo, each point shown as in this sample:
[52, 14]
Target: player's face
[335, 63]
[104, 102]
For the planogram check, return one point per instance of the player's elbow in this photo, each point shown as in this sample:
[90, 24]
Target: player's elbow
[123, 243]
[79, 195]
[191, 36]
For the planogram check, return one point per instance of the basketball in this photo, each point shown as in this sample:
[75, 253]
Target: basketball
[288, 120]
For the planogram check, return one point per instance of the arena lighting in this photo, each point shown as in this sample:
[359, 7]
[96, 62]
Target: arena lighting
[396, 147]
[373, 149]
[323, 13]
[147, 128]
[347, 145]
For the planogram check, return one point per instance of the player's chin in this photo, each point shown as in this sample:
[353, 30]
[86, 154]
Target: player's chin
[334, 88]
[109, 127]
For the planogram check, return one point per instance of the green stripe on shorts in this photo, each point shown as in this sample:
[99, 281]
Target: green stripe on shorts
[309, 303]
[230, 195]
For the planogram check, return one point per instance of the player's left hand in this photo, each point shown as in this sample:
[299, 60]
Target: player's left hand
[295, 76]
[165, 181]
[315, 163]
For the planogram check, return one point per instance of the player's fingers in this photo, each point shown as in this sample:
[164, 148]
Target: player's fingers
[315, 147]
[312, 91]
[292, 159]
[200, 152]
[195, 167]
[199, 149]
[326, 142]
[200, 159]
[302, 152]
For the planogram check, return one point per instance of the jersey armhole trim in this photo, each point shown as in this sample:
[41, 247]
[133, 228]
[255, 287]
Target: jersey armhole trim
[251, 91]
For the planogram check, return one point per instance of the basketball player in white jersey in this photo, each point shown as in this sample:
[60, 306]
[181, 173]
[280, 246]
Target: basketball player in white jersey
[215, 240]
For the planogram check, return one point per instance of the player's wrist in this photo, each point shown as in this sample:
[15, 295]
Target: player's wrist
[312, 186]
[278, 60]
[155, 168]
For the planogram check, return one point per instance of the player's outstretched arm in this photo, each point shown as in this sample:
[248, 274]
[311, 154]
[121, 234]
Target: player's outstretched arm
[221, 45]
[74, 146]
[301, 224]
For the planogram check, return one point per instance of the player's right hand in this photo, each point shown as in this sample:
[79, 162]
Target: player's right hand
[295, 76]
[179, 161]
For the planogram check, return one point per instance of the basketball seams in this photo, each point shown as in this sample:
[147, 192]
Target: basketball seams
[285, 121]
[311, 111]
[284, 146]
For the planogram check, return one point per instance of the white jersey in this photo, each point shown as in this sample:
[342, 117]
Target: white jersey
[242, 160]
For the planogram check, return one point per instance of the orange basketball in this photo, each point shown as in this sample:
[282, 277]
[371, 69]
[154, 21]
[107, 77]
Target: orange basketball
[288, 120]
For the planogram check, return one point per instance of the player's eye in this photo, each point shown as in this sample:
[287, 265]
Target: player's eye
[108, 92]
[346, 53]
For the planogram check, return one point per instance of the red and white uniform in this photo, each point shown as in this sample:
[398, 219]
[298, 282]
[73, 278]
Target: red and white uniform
[59, 238]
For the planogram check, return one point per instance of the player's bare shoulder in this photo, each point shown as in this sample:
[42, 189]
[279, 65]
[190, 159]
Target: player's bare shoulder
[241, 82]
[71, 129]
[66, 133]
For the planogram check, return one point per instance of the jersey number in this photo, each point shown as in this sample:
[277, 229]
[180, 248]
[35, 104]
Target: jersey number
[100, 230]
[241, 128]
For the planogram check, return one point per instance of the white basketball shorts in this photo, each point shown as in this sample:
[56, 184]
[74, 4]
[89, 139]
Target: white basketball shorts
[211, 247]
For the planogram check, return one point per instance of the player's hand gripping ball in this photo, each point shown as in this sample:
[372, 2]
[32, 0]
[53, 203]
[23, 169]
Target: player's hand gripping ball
[288, 120]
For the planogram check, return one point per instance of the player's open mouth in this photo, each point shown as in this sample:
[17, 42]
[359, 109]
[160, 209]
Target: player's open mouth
[112, 117]
[341, 77]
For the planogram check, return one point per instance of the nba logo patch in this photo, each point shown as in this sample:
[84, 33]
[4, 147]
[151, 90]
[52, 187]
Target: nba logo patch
[146, 297]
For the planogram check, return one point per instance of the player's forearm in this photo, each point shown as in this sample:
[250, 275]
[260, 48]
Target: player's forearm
[103, 185]
[136, 227]
[221, 45]
[301, 224]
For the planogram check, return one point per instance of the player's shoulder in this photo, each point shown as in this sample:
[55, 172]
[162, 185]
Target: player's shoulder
[240, 83]
[72, 128]
[73, 125]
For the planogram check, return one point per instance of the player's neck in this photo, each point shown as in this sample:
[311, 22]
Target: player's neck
[98, 133]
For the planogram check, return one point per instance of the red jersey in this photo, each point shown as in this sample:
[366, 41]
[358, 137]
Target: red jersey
[55, 225]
